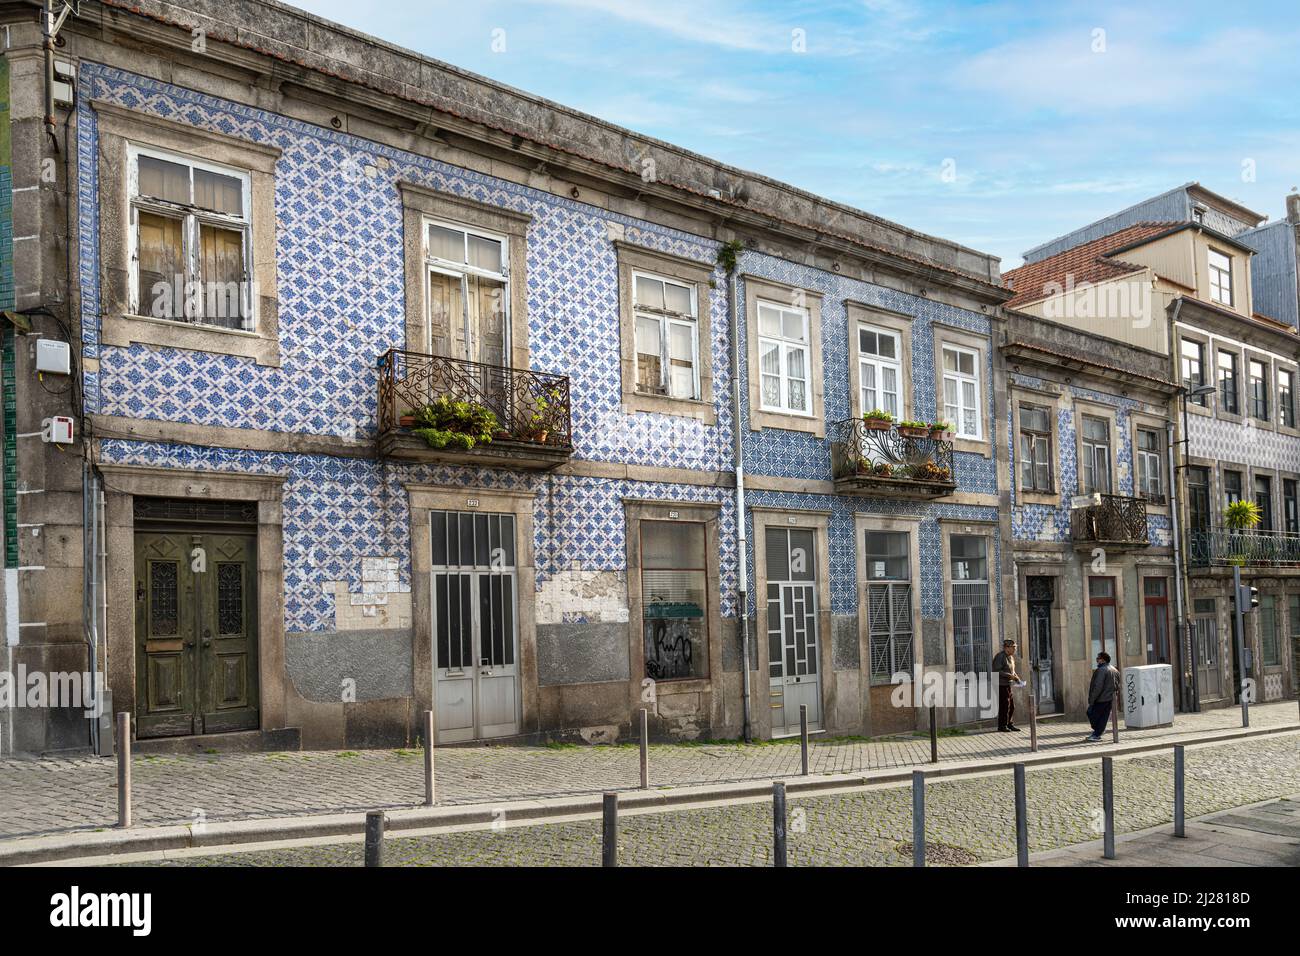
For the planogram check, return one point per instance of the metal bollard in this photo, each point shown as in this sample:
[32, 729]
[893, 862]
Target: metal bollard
[609, 830]
[1108, 806]
[803, 739]
[918, 818]
[1114, 715]
[123, 769]
[375, 838]
[934, 736]
[1180, 792]
[1022, 817]
[428, 759]
[1033, 719]
[645, 749]
[778, 824]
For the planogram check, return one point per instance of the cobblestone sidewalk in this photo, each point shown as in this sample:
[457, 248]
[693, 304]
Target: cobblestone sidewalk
[79, 793]
[969, 820]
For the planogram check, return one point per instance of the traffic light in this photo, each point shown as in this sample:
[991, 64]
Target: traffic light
[1249, 598]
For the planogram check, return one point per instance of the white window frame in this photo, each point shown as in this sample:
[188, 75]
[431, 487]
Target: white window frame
[667, 319]
[954, 413]
[1090, 448]
[192, 219]
[1149, 465]
[878, 365]
[785, 347]
[1220, 277]
[462, 271]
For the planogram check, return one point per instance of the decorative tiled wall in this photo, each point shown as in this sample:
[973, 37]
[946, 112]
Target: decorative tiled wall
[341, 302]
[1035, 522]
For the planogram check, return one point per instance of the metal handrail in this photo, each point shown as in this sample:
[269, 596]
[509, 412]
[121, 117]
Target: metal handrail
[1114, 518]
[529, 406]
[1253, 547]
[859, 451]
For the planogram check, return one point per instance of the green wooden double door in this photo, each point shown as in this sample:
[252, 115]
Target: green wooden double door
[196, 633]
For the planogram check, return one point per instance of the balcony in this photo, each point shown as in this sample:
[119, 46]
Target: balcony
[885, 463]
[1221, 547]
[533, 424]
[1109, 521]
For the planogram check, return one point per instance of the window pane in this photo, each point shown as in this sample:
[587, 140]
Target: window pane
[649, 292]
[160, 179]
[672, 544]
[218, 192]
[886, 555]
[485, 253]
[778, 557]
[793, 325]
[887, 347]
[681, 349]
[676, 635]
[649, 352]
[446, 243]
[161, 260]
[769, 319]
[221, 269]
[802, 557]
[677, 299]
[867, 344]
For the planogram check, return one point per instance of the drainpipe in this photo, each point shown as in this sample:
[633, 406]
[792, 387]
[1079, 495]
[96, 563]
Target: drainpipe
[742, 537]
[90, 591]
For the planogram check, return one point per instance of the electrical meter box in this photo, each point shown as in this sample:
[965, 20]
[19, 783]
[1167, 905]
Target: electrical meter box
[1148, 695]
[53, 357]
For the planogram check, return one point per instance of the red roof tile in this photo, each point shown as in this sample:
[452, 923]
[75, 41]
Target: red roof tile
[1090, 262]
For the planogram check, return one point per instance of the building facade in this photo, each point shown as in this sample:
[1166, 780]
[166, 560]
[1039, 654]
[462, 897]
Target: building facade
[1181, 288]
[383, 402]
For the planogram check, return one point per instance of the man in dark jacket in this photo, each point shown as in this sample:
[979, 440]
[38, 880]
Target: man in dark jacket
[1004, 665]
[1101, 695]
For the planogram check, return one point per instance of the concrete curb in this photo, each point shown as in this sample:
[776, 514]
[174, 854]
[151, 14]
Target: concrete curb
[82, 844]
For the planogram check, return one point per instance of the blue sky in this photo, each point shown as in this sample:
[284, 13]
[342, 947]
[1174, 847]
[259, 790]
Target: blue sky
[998, 125]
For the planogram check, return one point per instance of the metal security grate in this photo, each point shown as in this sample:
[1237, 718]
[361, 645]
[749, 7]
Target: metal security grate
[196, 510]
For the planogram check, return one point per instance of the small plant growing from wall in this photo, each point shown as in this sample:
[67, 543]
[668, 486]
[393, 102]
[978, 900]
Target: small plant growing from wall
[447, 423]
[729, 254]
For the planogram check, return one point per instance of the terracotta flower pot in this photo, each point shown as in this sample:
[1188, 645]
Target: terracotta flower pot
[913, 432]
[878, 424]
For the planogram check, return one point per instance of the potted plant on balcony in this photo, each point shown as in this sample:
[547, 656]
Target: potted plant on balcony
[1240, 517]
[941, 430]
[931, 471]
[878, 420]
[407, 418]
[882, 469]
[539, 424]
[447, 423]
[910, 429]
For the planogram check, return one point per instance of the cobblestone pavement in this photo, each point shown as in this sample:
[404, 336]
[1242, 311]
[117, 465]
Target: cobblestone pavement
[969, 820]
[77, 793]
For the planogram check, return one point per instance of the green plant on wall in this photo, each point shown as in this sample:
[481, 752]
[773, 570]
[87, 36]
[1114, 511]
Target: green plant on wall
[729, 254]
[447, 423]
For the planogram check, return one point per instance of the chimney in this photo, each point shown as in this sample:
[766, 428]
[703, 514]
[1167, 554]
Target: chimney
[1293, 208]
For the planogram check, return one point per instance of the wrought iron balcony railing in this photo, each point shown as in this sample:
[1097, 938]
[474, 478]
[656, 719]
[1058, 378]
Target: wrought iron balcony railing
[1115, 520]
[530, 407]
[883, 461]
[1252, 548]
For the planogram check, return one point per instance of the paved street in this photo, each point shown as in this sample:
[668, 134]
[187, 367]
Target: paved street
[970, 820]
[54, 795]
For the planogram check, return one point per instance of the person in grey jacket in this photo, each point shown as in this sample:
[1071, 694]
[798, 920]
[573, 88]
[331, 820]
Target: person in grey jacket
[1101, 695]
